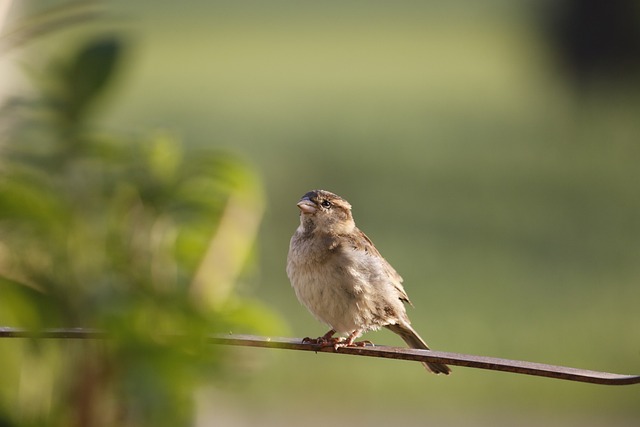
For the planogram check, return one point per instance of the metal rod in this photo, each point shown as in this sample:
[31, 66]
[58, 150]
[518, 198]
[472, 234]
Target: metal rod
[455, 359]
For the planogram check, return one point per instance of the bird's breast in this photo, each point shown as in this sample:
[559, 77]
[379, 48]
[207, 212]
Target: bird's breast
[332, 285]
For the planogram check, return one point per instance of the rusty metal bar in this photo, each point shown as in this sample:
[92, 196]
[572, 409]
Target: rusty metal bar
[454, 359]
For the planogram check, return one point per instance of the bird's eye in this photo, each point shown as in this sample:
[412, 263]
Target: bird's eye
[326, 204]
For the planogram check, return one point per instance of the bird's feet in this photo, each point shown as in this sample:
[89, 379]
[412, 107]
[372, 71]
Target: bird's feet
[351, 341]
[328, 340]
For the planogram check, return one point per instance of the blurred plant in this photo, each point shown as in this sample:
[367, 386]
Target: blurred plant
[142, 237]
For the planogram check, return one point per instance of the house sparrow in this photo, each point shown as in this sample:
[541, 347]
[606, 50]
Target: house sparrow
[339, 275]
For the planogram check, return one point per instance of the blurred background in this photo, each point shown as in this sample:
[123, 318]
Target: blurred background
[489, 149]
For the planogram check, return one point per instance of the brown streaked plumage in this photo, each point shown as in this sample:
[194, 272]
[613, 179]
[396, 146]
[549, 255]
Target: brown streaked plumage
[340, 276]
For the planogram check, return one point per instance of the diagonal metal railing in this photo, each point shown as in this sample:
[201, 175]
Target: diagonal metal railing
[403, 353]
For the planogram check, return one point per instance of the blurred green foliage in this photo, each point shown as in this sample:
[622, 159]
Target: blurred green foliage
[506, 196]
[118, 232]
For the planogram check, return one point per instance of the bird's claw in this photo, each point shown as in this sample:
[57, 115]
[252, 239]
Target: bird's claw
[336, 343]
[365, 343]
[322, 341]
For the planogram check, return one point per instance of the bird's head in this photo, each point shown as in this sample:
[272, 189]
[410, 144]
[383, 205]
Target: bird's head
[325, 212]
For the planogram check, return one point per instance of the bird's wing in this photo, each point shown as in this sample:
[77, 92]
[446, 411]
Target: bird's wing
[360, 242]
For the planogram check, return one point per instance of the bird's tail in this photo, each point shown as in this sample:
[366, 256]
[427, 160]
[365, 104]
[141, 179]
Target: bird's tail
[412, 339]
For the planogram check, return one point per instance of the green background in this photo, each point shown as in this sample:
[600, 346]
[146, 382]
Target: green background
[505, 196]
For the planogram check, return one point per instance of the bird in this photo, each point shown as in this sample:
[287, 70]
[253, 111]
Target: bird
[342, 279]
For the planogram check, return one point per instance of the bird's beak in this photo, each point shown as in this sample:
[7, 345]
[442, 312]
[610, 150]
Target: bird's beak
[307, 206]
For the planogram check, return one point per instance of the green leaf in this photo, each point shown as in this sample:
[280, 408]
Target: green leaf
[90, 72]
